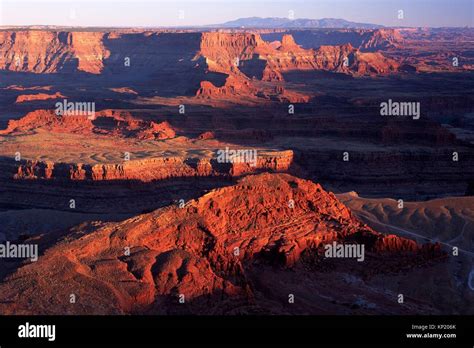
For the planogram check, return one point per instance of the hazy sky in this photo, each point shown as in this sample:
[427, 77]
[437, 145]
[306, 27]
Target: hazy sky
[198, 12]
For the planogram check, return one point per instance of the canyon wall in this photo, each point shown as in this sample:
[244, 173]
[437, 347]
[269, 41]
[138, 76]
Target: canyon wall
[41, 51]
[142, 170]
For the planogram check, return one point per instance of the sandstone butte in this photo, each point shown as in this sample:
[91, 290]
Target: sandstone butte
[211, 250]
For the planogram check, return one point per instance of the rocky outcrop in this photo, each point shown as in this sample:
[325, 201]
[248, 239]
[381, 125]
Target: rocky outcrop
[39, 96]
[105, 122]
[237, 88]
[49, 121]
[271, 75]
[158, 131]
[288, 44]
[382, 39]
[204, 253]
[242, 135]
[233, 88]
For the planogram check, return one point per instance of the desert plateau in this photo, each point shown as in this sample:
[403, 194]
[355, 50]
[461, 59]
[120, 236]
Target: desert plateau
[243, 168]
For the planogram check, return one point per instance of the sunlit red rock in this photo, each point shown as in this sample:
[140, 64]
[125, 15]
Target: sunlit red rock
[204, 250]
[47, 51]
[106, 122]
[39, 96]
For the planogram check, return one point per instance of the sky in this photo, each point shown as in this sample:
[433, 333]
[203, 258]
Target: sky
[167, 13]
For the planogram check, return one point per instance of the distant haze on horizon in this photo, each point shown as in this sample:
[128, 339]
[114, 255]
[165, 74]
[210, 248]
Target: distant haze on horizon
[169, 13]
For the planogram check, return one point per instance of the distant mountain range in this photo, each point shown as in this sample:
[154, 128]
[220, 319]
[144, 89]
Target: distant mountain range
[274, 22]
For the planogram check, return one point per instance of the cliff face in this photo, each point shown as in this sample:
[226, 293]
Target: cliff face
[49, 51]
[222, 49]
[112, 126]
[56, 51]
[364, 39]
[146, 170]
[246, 57]
[221, 66]
[342, 59]
[224, 245]
[88, 48]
